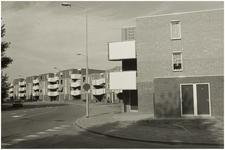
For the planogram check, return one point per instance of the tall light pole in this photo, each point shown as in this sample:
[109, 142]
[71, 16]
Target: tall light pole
[87, 101]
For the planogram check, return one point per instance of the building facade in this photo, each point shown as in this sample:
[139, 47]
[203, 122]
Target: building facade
[65, 85]
[178, 60]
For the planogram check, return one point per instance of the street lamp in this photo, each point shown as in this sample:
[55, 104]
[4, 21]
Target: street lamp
[87, 102]
[56, 68]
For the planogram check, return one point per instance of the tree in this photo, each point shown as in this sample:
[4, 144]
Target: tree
[5, 63]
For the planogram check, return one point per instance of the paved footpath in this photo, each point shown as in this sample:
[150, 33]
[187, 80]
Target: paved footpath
[108, 119]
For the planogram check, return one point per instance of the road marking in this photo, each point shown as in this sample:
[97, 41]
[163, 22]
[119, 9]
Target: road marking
[18, 140]
[5, 144]
[17, 116]
[51, 130]
[32, 136]
[65, 126]
[58, 128]
[31, 115]
[13, 113]
[41, 133]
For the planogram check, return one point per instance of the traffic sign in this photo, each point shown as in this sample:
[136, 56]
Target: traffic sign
[86, 86]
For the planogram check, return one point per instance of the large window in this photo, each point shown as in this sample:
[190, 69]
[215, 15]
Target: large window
[175, 30]
[177, 61]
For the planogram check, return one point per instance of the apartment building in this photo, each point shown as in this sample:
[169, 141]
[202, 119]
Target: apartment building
[65, 85]
[172, 65]
[29, 87]
[10, 92]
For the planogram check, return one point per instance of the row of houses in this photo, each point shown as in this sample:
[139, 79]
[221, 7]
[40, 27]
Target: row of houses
[172, 66]
[66, 85]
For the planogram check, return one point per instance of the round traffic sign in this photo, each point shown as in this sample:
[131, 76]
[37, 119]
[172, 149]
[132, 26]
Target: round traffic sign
[86, 86]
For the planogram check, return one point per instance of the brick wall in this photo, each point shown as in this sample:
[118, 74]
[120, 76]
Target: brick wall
[167, 94]
[201, 44]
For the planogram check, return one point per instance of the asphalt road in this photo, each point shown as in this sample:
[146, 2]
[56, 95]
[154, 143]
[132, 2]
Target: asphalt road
[52, 125]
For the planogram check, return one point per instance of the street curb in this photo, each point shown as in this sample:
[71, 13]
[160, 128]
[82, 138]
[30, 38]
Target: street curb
[142, 140]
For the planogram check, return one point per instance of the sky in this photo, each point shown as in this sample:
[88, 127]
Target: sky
[44, 34]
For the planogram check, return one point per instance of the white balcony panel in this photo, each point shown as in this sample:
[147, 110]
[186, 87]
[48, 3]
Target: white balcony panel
[76, 92]
[11, 95]
[75, 76]
[36, 94]
[76, 84]
[125, 80]
[55, 86]
[21, 94]
[122, 50]
[53, 79]
[22, 89]
[35, 87]
[53, 93]
[22, 83]
[98, 91]
[98, 81]
[35, 81]
[11, 90]
[118, 91]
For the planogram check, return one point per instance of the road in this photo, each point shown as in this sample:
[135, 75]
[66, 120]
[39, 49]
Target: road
[52, 125]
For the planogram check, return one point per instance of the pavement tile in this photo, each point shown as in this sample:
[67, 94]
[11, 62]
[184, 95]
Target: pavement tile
[108, 119]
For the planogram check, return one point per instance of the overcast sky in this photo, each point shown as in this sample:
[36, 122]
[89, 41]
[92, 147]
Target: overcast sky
[45, 35]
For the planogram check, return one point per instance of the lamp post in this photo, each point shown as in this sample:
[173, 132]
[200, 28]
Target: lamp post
[87, 102]
[56, 68]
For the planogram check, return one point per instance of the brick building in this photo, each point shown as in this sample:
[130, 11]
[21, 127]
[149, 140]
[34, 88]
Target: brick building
[178, 60]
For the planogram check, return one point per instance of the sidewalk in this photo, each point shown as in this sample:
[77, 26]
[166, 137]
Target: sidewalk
[108, 119]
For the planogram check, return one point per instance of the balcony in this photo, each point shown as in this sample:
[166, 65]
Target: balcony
[54, 86]
[75, 76]
[11, 95]
[21, 94]
[125, 80]
[11, 85]
[23, 83]
[36, 81]
[10, 90]
[121, 50]
[98, 81]
[118, 91]
[22, 89]
[98, 91]
[36, 94]
[76, 92]
[36, 87]
[53, 93]
[76, 84]
[53, 79]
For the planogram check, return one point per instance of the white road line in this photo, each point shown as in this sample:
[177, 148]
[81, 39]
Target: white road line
[32, 136]
[59, 128]
[18, 140]
[51, 130]
[65, 126]
[17, 116]
[5, 144]
[41, 133]
[31, 115]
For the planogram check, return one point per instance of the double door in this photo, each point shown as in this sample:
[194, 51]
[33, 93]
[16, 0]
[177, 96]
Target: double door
[195, 100]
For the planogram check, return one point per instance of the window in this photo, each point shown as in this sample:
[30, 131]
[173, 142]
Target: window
[61, 74]
[177, 61]
[175, 30]
[61, 81]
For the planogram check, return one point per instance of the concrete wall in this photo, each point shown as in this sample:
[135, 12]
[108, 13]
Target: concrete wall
[201, 44]
[167, 94]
